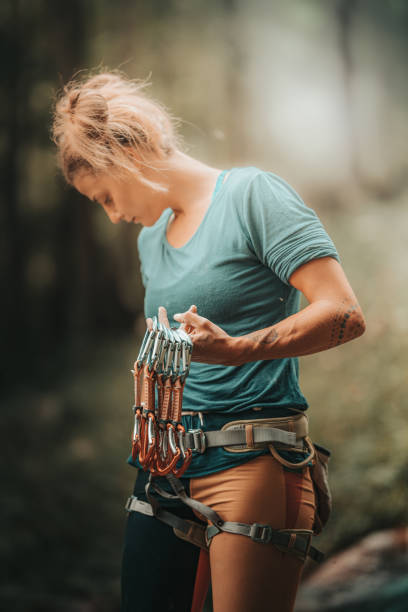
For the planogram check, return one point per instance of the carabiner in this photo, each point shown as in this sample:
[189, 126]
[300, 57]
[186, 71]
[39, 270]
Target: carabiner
[186, 454]
[165, 460]
[158, 435]
[164, 346]
[144, 354]
[168, 364]
[139, 360]
[186, 352]
[148, 442]
[157, 347]
[177, 355]
[136, 432]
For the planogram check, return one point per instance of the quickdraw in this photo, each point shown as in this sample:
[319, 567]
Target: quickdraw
[158, 434]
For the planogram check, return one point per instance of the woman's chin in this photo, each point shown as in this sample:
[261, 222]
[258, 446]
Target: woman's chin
[147, 222]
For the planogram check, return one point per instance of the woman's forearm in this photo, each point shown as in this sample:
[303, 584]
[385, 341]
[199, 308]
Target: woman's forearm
[321, 325]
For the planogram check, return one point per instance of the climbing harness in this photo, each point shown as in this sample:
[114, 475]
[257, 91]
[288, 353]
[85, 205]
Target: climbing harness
[164, 448]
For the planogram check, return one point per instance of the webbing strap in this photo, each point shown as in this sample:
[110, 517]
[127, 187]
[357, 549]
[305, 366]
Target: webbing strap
[231, 437]
[194, 504]
[201, 535]
[181, 494]
[300, 544]
[191, 530]
[282, 538]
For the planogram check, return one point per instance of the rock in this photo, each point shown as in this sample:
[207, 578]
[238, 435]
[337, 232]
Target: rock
[371, 575]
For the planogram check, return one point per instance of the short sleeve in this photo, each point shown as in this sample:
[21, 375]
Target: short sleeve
[284, 233]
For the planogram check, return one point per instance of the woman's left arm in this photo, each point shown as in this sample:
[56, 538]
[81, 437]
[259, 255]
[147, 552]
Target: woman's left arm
[332, 317]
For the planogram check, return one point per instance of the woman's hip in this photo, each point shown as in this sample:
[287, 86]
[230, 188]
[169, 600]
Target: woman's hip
[259, 490]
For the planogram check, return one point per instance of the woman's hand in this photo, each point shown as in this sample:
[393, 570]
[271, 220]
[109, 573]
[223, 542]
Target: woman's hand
[211, 343]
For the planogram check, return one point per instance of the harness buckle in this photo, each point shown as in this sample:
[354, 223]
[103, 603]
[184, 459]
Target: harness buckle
[260, 533]
[200, 443]
[128, 504]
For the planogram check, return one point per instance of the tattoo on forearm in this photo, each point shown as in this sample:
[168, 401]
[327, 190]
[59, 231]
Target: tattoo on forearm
[346, 324]
[268, 338]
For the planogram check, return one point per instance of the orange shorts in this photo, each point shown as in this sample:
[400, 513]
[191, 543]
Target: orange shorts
[251, 576]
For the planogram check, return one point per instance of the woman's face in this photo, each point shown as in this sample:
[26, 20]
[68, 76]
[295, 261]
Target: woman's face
[130, 201]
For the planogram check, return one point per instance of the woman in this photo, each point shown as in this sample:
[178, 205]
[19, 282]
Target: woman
[226, 253]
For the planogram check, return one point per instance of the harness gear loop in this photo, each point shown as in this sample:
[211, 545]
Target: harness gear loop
[289, 464]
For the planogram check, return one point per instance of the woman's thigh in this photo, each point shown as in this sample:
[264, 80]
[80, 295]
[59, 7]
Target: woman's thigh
[248, 575]
[158, 568]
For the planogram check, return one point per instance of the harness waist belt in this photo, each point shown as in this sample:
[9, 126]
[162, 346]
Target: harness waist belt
[251, 434]
[199, 440]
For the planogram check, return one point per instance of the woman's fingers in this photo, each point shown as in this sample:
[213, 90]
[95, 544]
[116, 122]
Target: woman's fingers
[190, 318]
[163, 319]
[187, 324]
[189, 328]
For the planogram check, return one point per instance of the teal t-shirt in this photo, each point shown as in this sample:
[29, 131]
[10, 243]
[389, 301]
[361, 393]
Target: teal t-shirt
[236, 270]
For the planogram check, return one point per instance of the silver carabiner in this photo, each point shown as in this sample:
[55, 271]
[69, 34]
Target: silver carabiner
[187, 349]
[164, 346]
[170, 354]
[156, 351]
[177, 355]
[150, 431]
[181, 443]
[142, 347]
[149, 343]
[172, 441]
[136, 428]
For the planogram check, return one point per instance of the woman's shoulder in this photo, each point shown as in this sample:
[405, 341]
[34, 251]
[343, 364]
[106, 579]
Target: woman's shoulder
[259, 181]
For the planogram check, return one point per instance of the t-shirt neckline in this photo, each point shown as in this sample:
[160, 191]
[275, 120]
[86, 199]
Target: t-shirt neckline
[217, 190]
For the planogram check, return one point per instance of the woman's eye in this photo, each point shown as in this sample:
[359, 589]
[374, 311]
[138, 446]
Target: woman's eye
[108, 201]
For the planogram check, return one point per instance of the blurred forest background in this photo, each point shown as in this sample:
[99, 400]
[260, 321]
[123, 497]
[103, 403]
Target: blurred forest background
[313, 90]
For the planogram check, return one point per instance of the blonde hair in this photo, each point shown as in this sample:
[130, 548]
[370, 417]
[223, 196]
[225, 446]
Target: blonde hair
[99, 120]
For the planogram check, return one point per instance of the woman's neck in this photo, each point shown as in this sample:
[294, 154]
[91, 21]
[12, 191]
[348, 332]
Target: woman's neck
[190, 183]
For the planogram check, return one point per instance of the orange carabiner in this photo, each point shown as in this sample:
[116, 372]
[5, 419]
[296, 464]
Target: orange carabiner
[137, 409]
[148, 446]
[187, 454]
[136, 433]
[165, 466]
[148, 419]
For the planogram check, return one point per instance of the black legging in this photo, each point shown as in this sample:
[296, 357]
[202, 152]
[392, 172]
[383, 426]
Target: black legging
[149, 543]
